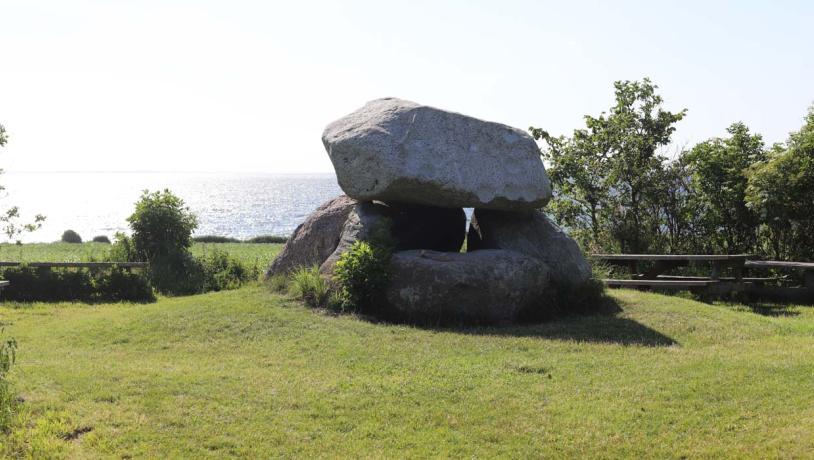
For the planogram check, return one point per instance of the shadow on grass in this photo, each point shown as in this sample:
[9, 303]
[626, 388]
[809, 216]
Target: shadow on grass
[603, 325]
[593, 329]
[767, 308]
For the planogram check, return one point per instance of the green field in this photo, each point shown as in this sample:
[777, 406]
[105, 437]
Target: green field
[251, 373]
[249, 253]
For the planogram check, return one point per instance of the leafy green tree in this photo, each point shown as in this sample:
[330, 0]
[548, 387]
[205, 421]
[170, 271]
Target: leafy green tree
[608, 175]
[781, 190]
[719, 178]
[633, 131]
[675, 206]
[579, 171]
[162, 225]
[162, 229]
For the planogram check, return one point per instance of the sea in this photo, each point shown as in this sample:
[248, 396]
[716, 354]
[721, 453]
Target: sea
[236, 205]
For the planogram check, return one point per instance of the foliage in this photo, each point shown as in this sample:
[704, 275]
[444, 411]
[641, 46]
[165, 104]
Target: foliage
[267, 239]
[781, 191]
[8, 400]
[214, 239]
[186, 274]
[161, 226]
[362, 273]
[13, 229]
[101, 239]
[608, 175]
[278, 283]
[70, 236]
[222, 272]
[118, 285]
[162, 229]
[9, 220]
[614, 191]
[177, 274]
[264, 239]
[719, 182]
[308, 285]
[40, 284]
[122, 250]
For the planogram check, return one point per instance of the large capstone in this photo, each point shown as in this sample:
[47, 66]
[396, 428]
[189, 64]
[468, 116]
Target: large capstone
[483, 287]
[394, 150]
[402, 227]
[315, 239]
[534, 235]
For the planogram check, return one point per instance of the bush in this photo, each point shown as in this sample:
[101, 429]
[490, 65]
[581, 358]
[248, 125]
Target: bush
[162, 234]
[119, 285]
[222, 272]
[162, 226]
[8, 400]
[278, 283]
[178, 274]
[30, 284]
[308, 285]
[267, 239]
[70, 236]
[101, 239]
[122, 250]
[362, 273]
[214, 239]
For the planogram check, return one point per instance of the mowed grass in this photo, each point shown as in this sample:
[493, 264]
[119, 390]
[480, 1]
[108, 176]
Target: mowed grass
[250, 373]
[249, 253]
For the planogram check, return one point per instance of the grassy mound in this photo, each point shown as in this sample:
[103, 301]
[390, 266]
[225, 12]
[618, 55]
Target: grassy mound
[251, 373]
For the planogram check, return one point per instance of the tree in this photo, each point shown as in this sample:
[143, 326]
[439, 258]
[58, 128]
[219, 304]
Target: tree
[162, 225]
[162, 234]
[579, 171]
[781, 190]
[633, 131]
[9, 219]
[608, 175]
[675, 206]
[719, 178]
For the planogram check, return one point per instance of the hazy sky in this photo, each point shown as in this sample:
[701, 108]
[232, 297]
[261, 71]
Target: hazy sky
[249, 86]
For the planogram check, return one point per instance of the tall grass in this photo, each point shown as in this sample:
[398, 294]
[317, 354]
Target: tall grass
[307, 284]
[8, 355]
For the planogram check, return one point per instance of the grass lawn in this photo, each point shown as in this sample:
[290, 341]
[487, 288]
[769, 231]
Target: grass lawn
[250, 373]
[249, 253]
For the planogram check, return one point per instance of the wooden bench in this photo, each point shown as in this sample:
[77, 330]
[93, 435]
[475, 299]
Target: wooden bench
[714, 285]
[661, 284]
[662, 263]
[4, 284]
[745, 279]
[806, 267]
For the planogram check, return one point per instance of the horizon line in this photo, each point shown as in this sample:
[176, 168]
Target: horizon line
[158, 171]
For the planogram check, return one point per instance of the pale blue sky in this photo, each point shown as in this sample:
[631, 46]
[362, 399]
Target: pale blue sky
[249, 86]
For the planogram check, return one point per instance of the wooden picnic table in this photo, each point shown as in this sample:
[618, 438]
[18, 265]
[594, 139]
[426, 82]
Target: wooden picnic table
[806, 267]
[656, 276]
[665, 262]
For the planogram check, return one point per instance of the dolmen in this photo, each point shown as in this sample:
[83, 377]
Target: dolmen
[416, 168]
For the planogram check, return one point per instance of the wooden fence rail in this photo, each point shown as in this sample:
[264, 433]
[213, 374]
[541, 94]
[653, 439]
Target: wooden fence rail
[76, 264]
